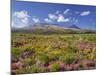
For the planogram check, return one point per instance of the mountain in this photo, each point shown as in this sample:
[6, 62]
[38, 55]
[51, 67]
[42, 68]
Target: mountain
[74, 27]
[45, 28]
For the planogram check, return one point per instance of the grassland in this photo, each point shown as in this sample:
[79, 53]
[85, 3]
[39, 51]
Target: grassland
[35, 53]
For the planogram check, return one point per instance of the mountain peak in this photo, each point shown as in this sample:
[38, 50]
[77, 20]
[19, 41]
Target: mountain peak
[74, 26]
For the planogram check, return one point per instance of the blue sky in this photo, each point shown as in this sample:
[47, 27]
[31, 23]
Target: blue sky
[28, 13]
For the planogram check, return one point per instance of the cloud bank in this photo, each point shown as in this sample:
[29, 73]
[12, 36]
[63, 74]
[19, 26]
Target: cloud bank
[22, 18]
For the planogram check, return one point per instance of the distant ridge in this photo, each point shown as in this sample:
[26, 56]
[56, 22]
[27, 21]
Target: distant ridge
[74, 26]
[45, 28]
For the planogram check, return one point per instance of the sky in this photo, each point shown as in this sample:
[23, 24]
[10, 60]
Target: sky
[28, 13]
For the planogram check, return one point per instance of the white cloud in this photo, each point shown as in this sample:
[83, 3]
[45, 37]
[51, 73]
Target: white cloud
[66, 11]
[24, 20]
[21, 14]
[12, 23]
[56, 17]
[52, 16]
[61, 18]
[47, 20]
[73, 20]
[35, 20]
[57, 12]
[20, 19]
[18, 24]
[84, 13]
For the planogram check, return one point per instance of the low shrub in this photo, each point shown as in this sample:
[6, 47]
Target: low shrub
[54, 67]
[67, 58]
[15, 52]
[43, 58]
[28, 69]
[28, 61]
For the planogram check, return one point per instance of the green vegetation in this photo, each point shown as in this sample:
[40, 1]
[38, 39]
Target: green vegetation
[54, 67]
[54, 52]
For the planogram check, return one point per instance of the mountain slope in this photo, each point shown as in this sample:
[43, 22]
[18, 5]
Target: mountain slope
[45, 28]
[73, 27]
